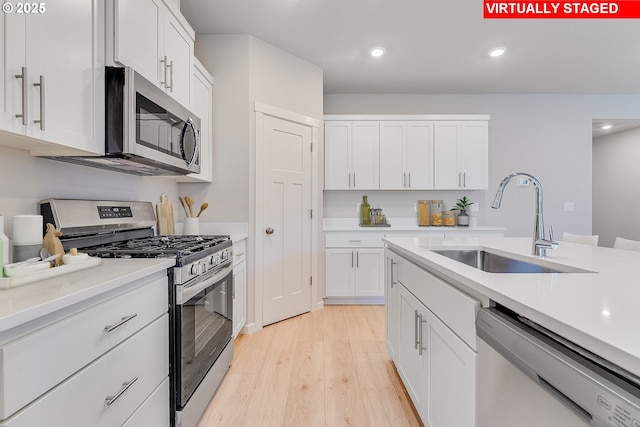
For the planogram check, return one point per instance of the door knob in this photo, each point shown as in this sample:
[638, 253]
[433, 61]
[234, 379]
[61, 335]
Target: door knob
[269, 230]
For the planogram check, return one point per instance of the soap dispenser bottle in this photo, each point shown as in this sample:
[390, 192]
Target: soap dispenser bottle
[365, 212]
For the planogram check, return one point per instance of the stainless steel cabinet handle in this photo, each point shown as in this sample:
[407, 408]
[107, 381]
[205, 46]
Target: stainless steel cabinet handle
[42, 90]
[393, 280]
[421, 348]
[240, 254]
[415, 329]
[355, 241]
[409, 180]
[124, 320]
[357, 259]
[269, 231]
[351, 259]
[354, 180]
[170, 66]
[404, 180]
[163, 61]
[125, 386]
[233, 289]
[464, 179]
[459, 179]
[23, 76]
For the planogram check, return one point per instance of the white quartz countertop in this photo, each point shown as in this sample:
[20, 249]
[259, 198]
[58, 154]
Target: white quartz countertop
[598, 310]
[31, 301]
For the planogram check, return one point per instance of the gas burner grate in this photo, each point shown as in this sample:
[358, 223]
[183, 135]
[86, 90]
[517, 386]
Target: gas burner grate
[157, 247]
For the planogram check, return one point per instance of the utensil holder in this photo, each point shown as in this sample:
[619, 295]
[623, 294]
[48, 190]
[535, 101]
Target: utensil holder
[191, 226]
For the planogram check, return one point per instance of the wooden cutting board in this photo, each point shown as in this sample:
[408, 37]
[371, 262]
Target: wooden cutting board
[165, 216]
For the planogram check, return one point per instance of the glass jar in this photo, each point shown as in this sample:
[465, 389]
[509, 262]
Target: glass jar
[435, 209]
[423, 213]
[449, 218]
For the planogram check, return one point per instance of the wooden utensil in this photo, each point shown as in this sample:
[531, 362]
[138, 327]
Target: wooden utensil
[203, 206]
[189, 201]
[184, 206]
[165, 216]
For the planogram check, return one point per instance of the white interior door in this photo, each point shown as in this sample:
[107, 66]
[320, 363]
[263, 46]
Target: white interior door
[286, 265]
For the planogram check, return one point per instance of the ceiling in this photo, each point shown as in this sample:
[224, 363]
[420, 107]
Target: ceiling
[434, 46]
[617, 125]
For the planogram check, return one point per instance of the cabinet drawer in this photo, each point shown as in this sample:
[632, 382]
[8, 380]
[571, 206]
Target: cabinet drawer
[455, 309]
[37, 362]
[239, 252]
[82, 399]
[154, 411]
[352, 240]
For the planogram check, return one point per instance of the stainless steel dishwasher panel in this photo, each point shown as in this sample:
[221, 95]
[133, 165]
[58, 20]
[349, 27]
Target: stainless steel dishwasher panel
[578, 392]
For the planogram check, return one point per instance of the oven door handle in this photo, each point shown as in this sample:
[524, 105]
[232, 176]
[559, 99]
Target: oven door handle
[185, 293]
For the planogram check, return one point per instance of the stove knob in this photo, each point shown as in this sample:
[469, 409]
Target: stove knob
[195, 269]
[226, 254]
[203, 267]
[215, 260]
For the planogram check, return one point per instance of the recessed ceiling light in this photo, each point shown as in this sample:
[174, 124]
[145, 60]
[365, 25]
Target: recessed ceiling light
[376, 52]
[606, 127]
[497, 51]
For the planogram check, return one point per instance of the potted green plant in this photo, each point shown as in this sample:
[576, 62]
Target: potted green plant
[461, 206]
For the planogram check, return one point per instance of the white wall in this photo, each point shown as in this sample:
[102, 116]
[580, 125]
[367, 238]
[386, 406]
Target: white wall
[227, 58]
[247, 70]
[26, 180]
[615, 181]
[548, 136]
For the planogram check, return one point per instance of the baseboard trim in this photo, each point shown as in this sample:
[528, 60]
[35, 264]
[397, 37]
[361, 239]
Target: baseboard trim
[354, 300]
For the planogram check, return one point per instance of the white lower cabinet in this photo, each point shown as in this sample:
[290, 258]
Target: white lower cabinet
[412, 365]
[96, 365]
[154, 411]
[109, 390]
[451, 377]
[437, 362]
[354, 268]
[354, 272]
[239, 287]
[392, 304]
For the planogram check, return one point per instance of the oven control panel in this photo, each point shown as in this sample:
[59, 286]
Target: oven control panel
[112, 212]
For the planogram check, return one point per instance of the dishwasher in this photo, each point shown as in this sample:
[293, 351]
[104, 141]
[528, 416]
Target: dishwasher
[530, 377]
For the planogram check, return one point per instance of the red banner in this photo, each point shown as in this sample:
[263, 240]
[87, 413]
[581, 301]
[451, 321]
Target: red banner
[623, 9]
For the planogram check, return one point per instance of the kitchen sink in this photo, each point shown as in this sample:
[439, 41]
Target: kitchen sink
[494, 263]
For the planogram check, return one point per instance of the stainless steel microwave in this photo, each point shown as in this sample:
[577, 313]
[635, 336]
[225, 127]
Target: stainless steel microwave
[146, 131]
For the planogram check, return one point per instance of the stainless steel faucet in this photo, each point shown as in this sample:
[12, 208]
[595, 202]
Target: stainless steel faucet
[540, 242]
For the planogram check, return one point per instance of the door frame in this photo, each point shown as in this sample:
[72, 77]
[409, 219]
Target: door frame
[262, 110]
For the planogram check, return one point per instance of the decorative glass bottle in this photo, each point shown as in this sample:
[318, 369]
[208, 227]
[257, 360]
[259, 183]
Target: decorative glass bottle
[365, 209]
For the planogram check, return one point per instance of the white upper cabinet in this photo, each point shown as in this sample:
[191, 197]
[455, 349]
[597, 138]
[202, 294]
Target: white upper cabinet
[406, 155]
[202, 106]
[440, 152]
[351, 155]
[461, 155]
[160, 46]
[53, 78]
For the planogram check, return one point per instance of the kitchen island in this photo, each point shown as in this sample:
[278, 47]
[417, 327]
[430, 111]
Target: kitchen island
[597, 310]
[437, 289]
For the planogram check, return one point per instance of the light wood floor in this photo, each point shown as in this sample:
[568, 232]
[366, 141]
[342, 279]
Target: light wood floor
[326, 368]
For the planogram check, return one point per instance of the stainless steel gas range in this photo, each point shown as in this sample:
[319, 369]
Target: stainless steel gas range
[200, 289]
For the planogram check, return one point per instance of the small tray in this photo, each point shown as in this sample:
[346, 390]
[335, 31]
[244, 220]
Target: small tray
[14, 282]
[375, 225]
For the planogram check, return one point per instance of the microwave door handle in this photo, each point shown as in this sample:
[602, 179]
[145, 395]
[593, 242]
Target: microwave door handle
[196, 148]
